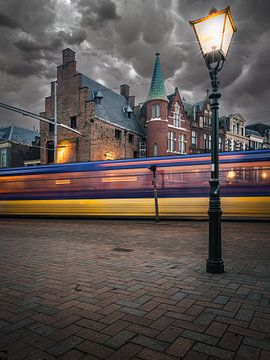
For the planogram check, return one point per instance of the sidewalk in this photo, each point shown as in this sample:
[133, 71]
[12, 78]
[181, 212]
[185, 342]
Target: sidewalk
[95, 289]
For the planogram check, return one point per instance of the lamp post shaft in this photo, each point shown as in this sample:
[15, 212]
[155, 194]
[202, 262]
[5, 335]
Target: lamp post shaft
[214, 262]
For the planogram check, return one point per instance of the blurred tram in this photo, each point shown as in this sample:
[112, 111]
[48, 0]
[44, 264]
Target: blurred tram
[123, 188]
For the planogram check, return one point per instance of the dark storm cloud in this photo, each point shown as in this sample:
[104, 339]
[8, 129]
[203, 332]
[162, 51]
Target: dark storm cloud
[116, 41]
[23, 69]
[7, 21]
[97, 13]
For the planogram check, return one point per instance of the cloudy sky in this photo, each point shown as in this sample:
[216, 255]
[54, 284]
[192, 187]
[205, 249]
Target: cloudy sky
[115, 43]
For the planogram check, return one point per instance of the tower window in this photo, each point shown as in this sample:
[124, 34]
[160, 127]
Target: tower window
[73, 122]
[156, 111]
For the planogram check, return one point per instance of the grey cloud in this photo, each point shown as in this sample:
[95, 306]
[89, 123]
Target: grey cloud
[97, 13]
[119, 34]
[8, 21]
[24, 70]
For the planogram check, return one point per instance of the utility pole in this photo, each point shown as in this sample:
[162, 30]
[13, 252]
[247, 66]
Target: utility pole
[55, 123]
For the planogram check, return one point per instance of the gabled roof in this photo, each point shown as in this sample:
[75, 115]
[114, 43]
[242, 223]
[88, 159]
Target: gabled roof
[19, 135]
[113, 107]
[189, 107]
[157, 89]
[252, 132]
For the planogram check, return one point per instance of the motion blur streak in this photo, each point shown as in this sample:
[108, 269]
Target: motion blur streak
[124, 188]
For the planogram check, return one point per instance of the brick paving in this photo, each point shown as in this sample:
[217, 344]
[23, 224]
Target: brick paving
[96, 289]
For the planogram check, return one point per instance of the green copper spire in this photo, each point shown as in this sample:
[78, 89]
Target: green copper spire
[157, 89]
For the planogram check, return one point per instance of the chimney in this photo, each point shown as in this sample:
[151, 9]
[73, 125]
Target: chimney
[131, 101]
[124, 91]
[68, 56]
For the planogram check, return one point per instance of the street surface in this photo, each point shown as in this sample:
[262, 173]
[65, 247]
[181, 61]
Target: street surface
[113, 289]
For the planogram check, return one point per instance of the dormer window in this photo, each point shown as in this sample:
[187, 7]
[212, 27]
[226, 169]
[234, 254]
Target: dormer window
[127, 111]
[98, 96]
[156, 111]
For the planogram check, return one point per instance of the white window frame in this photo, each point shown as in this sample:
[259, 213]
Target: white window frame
[156, 111]
[182, 143]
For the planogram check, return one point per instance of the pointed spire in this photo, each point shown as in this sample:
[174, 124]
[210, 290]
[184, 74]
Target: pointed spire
[157, 89]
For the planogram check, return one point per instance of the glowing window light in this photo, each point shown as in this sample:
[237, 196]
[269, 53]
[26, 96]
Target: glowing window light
[264, 175]
[117, 179]
[62, 182]
[231, 175]
[109, 156]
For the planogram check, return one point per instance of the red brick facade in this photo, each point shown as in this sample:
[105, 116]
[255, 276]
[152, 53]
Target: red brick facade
[169, 133]
[100, 140]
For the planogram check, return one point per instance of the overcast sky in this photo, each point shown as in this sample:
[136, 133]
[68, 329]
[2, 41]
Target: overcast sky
[115, 42]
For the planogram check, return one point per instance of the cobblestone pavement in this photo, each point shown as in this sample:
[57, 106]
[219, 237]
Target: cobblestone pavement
[93, 289]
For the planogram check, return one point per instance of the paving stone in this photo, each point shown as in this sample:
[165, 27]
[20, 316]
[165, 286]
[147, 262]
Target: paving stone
[120, 339]
[230, 341]
[247, 353]
[41, 329]
[180, 347]
[46, 310]
[220, 299]
[126, 352]
[17, 325]
[193, 335]
[150, 343]
[149, 354]
[95, 349]
[245, 315]
[260, 324]
[216, 329]
[65, 345]
[259, 343]
[213, 351]
[79, 287]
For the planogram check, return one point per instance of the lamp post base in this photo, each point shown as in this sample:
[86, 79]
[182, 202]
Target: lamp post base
[215, 266]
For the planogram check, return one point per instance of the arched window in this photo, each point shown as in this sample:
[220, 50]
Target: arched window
[156, 149]
[156, 111]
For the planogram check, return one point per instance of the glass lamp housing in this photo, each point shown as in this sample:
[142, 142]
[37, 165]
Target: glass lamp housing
[214, 32]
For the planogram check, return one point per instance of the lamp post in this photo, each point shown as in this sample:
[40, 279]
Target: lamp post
[214, 34]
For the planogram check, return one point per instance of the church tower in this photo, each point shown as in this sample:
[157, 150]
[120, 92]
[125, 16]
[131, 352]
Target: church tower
[156, 114]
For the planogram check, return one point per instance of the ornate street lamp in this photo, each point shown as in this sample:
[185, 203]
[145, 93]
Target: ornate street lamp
[214, 34]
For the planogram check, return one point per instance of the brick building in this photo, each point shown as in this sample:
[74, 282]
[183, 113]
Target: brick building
[19, 147]
[110, 128]
[234, 126]
[262, 130]
[200, 116]
[167, 127]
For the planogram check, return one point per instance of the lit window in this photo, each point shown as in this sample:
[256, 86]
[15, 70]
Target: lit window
[156, 111]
